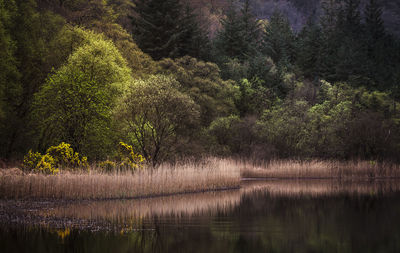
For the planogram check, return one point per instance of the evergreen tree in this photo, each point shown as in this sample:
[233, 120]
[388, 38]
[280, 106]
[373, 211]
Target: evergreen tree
[377, 46]
[373, 21]
[251, 30]
[330, 38]
[351, 51]
[194, 40]
[167, 28]
[279, 41]
[157, 27]
[230, 39]
[330, 10]
[343, 51]
[309, 48]
[349, 19]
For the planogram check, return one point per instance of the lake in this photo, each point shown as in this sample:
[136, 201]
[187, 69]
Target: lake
[262, 216]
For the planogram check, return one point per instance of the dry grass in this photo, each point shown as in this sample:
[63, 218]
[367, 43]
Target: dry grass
[211, 174]
[188, 177]
[320, 169]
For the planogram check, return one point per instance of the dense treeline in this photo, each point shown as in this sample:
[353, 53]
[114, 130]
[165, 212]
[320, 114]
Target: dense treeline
[152, 74]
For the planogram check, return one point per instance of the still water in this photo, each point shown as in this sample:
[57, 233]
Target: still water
[263, 216]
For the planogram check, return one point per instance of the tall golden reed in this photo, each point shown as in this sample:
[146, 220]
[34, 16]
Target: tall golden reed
[212, 174]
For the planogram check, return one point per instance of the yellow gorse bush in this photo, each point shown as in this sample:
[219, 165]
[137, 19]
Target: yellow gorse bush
[46, 165]
[129, 159]
[31, 160]
[64, 155]
[56, 158]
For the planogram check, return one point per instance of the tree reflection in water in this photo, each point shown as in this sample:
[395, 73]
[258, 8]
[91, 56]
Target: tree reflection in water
[266, 216]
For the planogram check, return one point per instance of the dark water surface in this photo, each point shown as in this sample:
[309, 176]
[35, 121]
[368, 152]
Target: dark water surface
[263, 216]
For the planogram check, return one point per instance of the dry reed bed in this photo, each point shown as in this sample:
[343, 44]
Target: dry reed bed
[189, 177]
[320, 169]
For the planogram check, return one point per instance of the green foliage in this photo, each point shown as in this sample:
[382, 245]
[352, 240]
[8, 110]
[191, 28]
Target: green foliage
[203, 83]
[154, 112]
[8, 64]
[175, 26]
[24, 35]
[240, 34]
[76, 102]
[139, 62]
[309, 47]
[223, 131]
[71, 72]
[279, 41]
[346, 123]
[254, 97]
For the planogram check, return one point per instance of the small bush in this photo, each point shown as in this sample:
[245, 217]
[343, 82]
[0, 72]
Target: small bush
[46, 165]
[64, 155]
[128, 158]
[83, 163]
[31, 160]
[107, 165]
[56, 158]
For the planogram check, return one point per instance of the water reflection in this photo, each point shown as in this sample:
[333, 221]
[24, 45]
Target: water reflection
[135, 212]
[263, 216]
[191, 206]
[300, 188]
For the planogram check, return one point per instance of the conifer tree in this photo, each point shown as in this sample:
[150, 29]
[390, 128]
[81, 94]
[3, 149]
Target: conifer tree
[279, 41]
[194, 40]
[330, 38]
[351, 51]
[374, 26]
[309, 48]
[251, 30]
[380, 49]
[157, 28]
[167, 28]
[349, 19]
[229, 41]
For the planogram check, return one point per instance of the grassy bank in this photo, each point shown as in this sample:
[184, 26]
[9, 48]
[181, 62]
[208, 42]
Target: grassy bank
[212, 174]
[320, 169]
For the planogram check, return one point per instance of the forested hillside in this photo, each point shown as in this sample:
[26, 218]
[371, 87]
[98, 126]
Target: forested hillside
[182, 78]
[298, 11]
